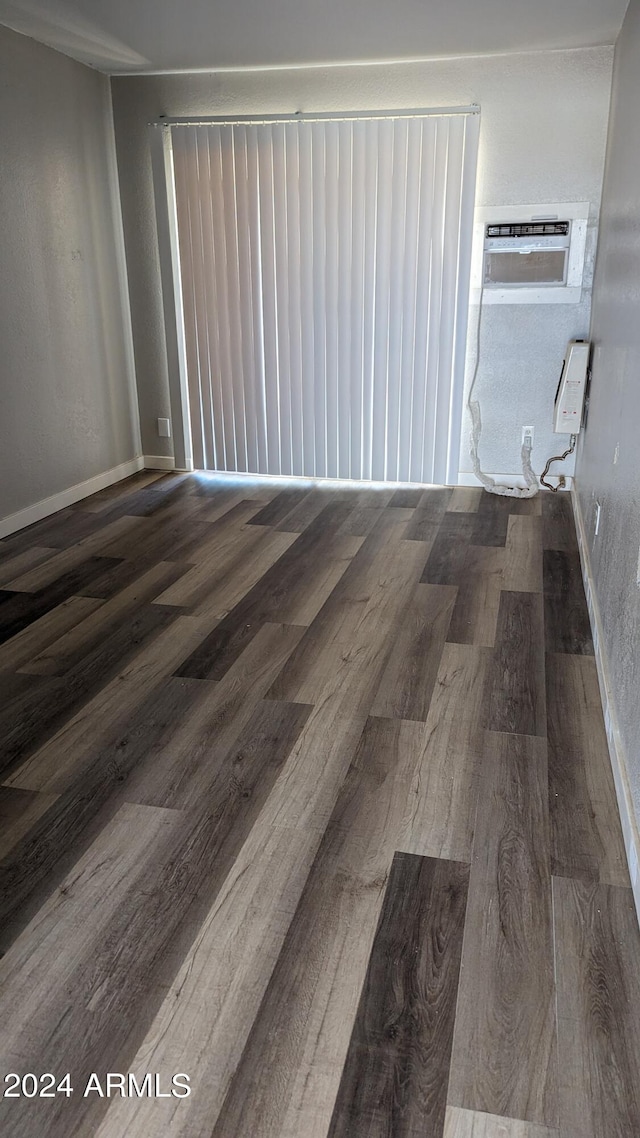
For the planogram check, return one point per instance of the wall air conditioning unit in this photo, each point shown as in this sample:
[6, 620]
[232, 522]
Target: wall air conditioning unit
[530, 254]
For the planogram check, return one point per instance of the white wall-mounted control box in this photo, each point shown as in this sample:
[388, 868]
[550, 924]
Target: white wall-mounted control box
[567, 412]
[529, 254]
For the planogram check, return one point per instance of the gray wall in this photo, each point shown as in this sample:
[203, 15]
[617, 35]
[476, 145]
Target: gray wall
[608, 468]
[543, 135]
[67, 398]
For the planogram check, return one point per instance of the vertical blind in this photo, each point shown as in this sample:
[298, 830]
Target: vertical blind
[324, 272]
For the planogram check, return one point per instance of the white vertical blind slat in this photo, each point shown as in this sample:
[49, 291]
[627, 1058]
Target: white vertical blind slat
[319, 246]
[282, 294]
[345, 277]
[184, 208]
[372, 158]
[409, 291]
[269, 301]
[397, 300]
[213, 398]
[200, 304]
[324, 271]
[357, 313]
[435, 329]
[255, 285]
[451, 242]
[236, 302]
[240, 172]
[307, 324]
[293, 239]
[222, 318]
[382, 300]
[331, 176]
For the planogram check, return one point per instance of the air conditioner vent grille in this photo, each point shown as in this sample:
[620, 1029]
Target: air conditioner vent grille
[529, 229]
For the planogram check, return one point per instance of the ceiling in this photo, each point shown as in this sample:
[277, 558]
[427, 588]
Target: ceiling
[167, 35]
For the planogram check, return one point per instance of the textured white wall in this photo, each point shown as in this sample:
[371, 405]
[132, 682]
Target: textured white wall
[544, 118]
[67, 398]
[608, 468]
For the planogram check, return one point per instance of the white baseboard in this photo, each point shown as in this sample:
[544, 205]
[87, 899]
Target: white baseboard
[159, 462]
[630, 830]
[64, 498]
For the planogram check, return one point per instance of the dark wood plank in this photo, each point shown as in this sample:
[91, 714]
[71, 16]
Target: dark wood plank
[435, 499]
[180, 773]
[36, 864]
[69, 559]
[11, 567]
[475, 614]
[106, 585]
[52, 766]
[127, 873]
[353, 620]
[31, 719]
[169, 535]
[598, 971]
[465, 499]
[406, 499]
[59, 530]
[562, 575]
[558, 526]
[368, 507]
[395, 1075]
[19, 810]
[19, 610]
[313, 503]
[277, 509]
[291, 576]
[586, 835]
[504, 504]
[517, 700]
[408, 679]
[100, 501]
[207, 843]
[504, 1057]
[76, 643]
[16, 684]
[426, 518]
[446, 561]
[226, 569]
[567, 627]
[490, 527]
[566, 616]
[42, 632]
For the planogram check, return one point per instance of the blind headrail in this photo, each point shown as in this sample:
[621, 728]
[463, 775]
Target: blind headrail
[313, 116]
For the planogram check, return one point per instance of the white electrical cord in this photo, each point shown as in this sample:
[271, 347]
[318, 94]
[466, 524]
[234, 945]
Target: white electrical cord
[489, 483]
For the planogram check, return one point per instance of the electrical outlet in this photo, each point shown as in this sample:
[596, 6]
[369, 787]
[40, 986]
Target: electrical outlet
[597, 525]
[164, 429]
[527, 437]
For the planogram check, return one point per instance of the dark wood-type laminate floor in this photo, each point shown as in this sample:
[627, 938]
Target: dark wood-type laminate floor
[306, 795]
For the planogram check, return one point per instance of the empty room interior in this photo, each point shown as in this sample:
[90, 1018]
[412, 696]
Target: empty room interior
[320, 569]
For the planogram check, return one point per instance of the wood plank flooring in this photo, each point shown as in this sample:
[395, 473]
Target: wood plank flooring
[305, 794]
